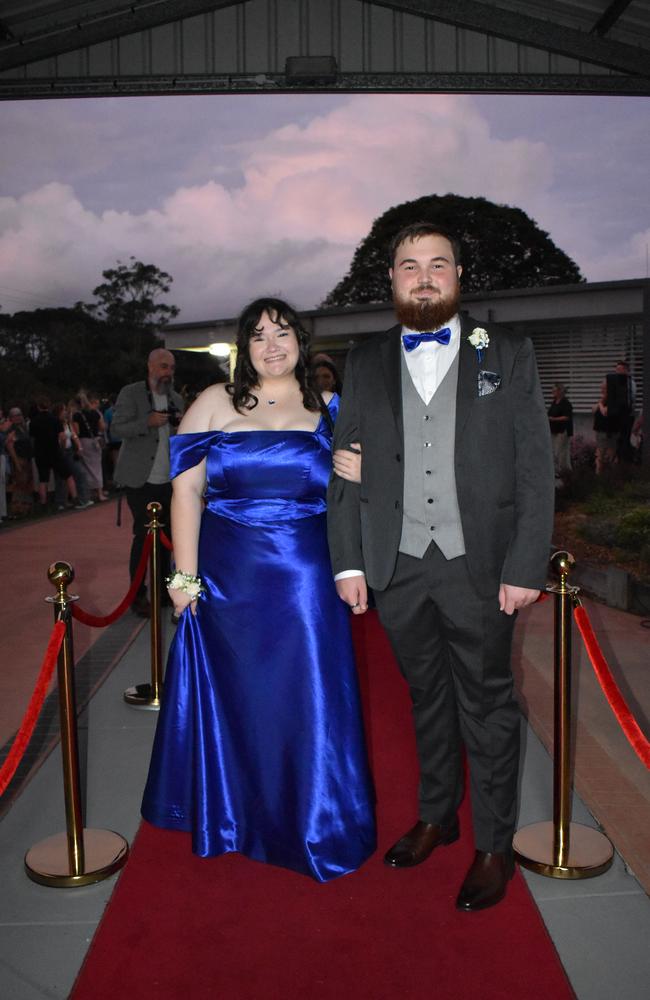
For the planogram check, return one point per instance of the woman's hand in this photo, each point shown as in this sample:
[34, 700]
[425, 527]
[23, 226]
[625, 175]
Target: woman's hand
[181, 601]
[347, 463]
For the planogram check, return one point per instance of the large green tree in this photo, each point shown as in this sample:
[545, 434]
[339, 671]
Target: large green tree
[129, 301]
[502, 248]
[60, 350]
[129, 296]
[54, 351]
[100, 346]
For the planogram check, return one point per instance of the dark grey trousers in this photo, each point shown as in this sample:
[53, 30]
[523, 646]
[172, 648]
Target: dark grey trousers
[137, 499]
[453, 648]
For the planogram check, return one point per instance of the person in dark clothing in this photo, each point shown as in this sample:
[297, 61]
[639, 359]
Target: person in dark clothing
[560, 418]
[621, 403]
[605, 437]
[44, 429]
[88, 424]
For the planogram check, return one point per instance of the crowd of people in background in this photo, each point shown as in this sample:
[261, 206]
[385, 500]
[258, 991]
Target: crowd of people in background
[55, 456]
[617, 426]
[61, 455]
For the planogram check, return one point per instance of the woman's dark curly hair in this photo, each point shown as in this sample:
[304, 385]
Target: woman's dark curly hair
[245, 377]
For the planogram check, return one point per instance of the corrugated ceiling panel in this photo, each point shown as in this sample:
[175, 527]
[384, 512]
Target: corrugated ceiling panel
[256, 37]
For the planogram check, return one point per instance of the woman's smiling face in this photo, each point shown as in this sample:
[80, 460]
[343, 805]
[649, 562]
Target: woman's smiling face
[273, 348]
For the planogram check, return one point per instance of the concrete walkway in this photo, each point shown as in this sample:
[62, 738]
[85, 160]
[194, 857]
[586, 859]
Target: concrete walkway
[601, 927]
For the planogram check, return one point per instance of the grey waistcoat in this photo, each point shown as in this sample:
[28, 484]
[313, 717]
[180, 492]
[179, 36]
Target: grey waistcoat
[430, 507]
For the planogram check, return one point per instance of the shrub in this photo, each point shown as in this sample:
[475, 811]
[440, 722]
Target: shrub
[600, 531]
[583, 452]
[581, 485]
[644, 553]
[636, 489]
[633, 530]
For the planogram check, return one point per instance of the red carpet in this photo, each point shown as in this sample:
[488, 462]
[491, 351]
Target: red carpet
[189, 928]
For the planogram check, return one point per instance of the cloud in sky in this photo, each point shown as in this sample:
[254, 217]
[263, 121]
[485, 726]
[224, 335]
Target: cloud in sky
[236, 212]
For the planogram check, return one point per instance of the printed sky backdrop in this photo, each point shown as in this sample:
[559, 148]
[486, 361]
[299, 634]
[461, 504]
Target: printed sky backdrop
[242, 195]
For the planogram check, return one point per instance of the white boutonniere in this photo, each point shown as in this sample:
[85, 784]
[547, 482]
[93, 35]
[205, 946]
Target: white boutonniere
[479, 339]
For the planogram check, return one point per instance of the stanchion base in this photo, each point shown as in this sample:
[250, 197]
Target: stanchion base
[48, 862]
[141, 696]
[590, 852]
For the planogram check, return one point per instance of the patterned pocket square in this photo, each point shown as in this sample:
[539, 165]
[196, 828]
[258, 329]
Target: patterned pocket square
[488, 382]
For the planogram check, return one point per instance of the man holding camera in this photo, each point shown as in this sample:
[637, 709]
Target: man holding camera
[146, 414]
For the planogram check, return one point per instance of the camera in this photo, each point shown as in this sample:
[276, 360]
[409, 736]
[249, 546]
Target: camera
[174, 415]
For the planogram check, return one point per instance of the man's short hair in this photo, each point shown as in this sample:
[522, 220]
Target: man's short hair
[416, 230]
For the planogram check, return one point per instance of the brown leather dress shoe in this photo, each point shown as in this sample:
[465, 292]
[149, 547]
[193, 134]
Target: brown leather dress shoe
[416, 845]
[486, 881]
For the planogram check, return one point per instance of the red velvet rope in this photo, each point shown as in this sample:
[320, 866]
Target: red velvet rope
[166, 540]
[97, 622]
[24, 734]
[617, 703]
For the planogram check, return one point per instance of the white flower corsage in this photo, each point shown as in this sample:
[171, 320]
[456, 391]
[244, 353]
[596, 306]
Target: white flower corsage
[187, 582]
[479, 339]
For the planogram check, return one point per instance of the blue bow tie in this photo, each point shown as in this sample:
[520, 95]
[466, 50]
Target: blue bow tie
[413, 340]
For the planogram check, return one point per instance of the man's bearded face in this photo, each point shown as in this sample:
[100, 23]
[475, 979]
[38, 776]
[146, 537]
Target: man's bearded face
[425, 280]
[161, 372]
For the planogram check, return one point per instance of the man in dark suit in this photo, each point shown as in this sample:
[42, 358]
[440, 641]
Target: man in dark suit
[451, 528]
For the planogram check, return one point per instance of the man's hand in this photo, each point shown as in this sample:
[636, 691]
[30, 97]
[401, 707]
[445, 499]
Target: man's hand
[354, 591]
[512, 598]
[347, 463]
[156, 419]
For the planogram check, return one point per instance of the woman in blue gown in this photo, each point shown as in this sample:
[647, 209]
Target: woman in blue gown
[259, 747]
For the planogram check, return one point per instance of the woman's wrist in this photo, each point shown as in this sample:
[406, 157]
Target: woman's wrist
[187, 583]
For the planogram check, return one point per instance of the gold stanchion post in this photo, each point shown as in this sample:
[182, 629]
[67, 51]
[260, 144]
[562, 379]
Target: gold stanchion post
[148, 695]
[78, 856]
[563, 849]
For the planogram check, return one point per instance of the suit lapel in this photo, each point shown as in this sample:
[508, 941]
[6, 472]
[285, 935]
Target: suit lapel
[468, 368]
[391, 359]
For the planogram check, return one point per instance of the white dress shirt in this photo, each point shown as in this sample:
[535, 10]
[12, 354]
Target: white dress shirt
[427, 364]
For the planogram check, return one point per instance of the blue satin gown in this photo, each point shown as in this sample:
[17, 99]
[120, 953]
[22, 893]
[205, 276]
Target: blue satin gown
[259, 746]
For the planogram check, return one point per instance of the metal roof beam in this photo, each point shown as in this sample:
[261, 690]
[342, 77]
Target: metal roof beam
[72, 35]
[526, 30]
[609, 17]
[499, 83]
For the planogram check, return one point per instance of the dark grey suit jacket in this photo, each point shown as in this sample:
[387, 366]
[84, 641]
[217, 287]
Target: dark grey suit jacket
[503, 463]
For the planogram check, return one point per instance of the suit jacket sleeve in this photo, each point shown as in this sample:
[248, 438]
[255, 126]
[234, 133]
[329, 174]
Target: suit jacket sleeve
[130, 419]
[526, 562]
[343, 514]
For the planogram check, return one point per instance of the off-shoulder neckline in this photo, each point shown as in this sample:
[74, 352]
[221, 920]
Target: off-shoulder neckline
[286, 430]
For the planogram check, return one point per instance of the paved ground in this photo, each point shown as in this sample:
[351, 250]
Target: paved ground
[608, 775]
[600, 926]
[99, 552]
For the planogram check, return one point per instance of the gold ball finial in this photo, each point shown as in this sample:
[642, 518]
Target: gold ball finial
[60, 574]
[154, 509]
[562, 563]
